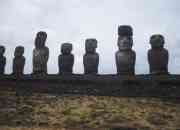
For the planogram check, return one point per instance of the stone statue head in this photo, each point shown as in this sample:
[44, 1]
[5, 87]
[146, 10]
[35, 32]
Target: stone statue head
[2, 50]
[66, 48]
[40, 39]
[19, 51]
[91, 45]
[157, 41]
[125, 40]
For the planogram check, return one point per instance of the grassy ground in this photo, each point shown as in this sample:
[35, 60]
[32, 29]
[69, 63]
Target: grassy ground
[47, 112]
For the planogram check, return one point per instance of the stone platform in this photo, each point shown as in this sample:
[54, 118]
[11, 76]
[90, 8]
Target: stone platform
[166, 86]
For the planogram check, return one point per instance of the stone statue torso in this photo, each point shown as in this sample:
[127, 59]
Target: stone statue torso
[18, 65]
[158, 60]
[91, 62]
[66, 63]
[40, 58]
[2, 64]
[125, 60]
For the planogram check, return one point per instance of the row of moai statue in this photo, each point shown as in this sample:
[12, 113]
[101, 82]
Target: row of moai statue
[125, 57]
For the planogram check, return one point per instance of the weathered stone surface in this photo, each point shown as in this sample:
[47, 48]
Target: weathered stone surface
[159, 86]
[66, 59]
[125, 56]
[158, 56]
[40, 55]
[91, 58]
[18, 61]
[2, 60]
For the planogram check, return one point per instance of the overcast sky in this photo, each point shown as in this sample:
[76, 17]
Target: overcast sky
[75, 20]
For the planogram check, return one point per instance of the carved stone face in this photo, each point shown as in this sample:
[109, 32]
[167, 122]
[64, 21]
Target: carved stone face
[40, 39]
[19, 51]
[2, 50]
[157, 41]
[91, 45]
[125, 40]
[66, 48]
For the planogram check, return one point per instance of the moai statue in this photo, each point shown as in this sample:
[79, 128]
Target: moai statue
[18, 61]
[40, 55]
[66, 59]
[91, 58]
[125, 56]
[158, 56]
[2, 60]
